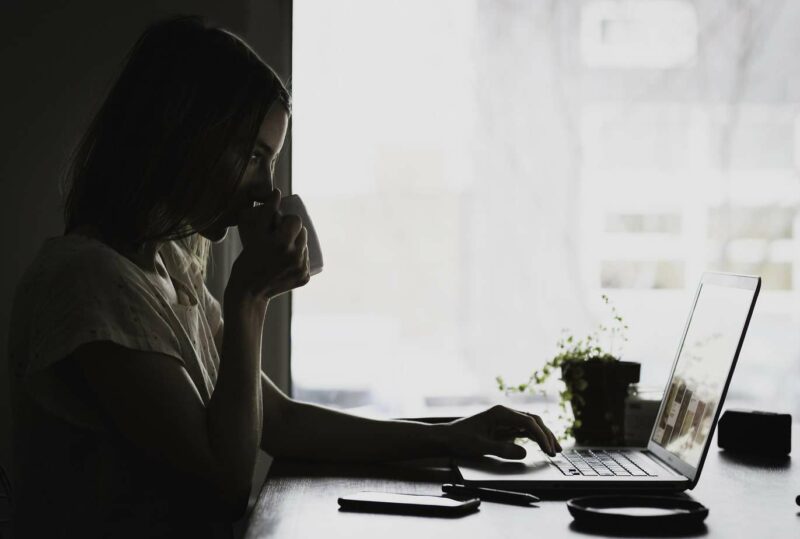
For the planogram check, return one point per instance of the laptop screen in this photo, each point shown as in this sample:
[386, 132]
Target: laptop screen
[701, 370]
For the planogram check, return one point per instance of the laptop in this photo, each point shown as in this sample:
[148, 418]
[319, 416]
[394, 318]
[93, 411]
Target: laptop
[684, 426]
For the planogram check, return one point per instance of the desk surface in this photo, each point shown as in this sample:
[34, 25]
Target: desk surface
[746, 497]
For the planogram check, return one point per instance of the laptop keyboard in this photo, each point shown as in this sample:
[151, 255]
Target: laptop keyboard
[599, 462]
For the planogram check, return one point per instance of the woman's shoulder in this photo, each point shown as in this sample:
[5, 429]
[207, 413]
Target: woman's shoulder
[58, 286]
[75, 258]
[70, 268]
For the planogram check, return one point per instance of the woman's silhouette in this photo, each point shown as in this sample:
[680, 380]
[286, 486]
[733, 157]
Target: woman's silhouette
[138, 412]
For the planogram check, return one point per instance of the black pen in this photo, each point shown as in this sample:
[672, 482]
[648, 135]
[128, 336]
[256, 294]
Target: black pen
[491, 494]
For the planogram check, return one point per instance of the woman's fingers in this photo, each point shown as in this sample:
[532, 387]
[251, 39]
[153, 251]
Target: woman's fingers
[553, 439]
[302, 239]
[528, 425]
[302, 260]
[509, 434]
[288, 230]
[539, 421]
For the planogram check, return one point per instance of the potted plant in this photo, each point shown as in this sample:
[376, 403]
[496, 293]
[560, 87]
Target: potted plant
[595, 380]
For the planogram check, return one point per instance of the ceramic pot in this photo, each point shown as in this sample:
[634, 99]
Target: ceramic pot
[599, 388]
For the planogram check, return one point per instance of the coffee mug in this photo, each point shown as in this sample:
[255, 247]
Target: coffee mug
[293, 205]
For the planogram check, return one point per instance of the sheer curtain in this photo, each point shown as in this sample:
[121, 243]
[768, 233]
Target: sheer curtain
[481, 172]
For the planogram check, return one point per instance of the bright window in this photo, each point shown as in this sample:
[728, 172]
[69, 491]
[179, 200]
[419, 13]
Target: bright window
[480, 173]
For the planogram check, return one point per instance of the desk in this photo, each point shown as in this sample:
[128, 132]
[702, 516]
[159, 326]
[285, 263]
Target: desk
[747, 497]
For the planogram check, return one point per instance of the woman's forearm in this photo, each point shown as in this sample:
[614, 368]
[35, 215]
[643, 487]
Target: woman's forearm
[318, 433]
[235, 413]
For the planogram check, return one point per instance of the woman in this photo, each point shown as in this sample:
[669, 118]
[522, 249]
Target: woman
[138, 412]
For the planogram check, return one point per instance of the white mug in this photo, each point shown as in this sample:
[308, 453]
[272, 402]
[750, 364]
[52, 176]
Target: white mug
[293, 204]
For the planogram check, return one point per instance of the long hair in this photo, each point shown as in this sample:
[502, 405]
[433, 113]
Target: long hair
[167, 149]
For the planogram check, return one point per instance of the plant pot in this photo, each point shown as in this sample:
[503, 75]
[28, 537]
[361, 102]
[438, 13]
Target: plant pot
[599, 388]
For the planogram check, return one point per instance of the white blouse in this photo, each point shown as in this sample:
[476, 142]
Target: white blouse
[70, 461]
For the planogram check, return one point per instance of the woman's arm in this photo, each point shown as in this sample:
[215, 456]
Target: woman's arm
[302, 430]
[153, 402]
[290, 428]
[235, 410]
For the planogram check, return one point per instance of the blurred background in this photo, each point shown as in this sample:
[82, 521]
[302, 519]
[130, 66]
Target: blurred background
[480, 172]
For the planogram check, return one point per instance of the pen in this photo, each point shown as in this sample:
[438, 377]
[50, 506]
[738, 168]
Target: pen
[491, 494]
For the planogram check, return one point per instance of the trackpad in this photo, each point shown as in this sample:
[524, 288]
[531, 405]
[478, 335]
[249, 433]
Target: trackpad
[490, 468]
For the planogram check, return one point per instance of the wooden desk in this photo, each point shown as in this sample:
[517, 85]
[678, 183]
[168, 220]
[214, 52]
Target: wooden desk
[747, 497]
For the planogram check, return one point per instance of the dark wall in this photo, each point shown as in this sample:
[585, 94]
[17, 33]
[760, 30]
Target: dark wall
[58, 61]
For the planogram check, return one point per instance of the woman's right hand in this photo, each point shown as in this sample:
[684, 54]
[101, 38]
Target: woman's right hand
[275, 255]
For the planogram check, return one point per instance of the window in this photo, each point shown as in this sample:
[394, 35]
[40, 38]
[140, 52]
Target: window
[656, 34]
[478, 181]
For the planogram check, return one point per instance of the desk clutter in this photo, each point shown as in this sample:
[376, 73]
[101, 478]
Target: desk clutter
[618, 512]
[490, 494]
[755, 432]
[622, 513]
[408, 504]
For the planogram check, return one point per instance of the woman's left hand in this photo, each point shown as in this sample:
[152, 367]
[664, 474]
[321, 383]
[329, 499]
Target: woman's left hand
[493, 433]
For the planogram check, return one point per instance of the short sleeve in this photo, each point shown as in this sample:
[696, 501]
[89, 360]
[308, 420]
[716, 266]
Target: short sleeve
[98, 303]
[91, 298]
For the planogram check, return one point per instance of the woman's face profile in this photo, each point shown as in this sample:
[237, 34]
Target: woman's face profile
[257, 178]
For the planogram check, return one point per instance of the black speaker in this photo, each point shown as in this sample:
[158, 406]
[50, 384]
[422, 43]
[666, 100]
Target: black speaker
[759, 433]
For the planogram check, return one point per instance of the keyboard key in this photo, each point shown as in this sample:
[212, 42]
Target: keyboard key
[588, 462]
[641, 462]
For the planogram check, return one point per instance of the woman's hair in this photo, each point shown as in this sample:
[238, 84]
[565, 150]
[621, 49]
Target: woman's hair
[167, 149]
